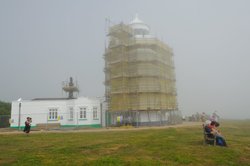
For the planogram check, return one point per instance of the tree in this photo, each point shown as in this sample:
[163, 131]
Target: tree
[5, 110]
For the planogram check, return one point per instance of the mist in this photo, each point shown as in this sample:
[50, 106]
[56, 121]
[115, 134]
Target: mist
[43, 43]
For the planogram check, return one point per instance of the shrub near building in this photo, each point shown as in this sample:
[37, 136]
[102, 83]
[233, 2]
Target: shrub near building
[4, 114]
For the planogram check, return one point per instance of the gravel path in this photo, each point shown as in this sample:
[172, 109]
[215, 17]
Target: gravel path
[184, 124]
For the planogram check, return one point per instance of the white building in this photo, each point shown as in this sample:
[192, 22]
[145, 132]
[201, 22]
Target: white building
[79, 112]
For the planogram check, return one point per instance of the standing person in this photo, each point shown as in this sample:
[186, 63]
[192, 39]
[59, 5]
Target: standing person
[203, 117]
[215, 117]
[27, 125]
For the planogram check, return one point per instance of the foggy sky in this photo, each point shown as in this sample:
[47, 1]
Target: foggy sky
[43, 43]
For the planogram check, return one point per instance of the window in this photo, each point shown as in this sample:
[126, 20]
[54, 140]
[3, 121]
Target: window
[83, 113]
[52, 114]
[95, 113]
[71, 113]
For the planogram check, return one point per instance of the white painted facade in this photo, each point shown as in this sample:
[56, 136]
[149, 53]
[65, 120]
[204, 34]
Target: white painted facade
[82, 111]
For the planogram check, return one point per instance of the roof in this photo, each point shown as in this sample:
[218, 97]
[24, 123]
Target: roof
[136, 20]
[138, 24]
[53, 98]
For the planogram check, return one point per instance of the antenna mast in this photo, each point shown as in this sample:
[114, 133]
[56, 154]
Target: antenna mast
[70, 88]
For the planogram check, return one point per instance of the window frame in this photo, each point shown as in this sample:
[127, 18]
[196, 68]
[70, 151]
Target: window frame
[71, 113]
[53, 114]
[95, 113]
[83, 113]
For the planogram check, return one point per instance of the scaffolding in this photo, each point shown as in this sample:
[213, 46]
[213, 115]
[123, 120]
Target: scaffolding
[139, 78]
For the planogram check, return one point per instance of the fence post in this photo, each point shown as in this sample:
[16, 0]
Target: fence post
[47, 116]
[19, 116]
[77, 119]
[137, 119]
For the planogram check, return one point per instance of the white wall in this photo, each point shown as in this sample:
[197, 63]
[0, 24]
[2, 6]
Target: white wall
[39, 109]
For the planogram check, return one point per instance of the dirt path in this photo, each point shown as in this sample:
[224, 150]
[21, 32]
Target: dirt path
[184, 124]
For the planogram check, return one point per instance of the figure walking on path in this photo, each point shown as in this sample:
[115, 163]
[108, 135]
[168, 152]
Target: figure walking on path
[27, 125]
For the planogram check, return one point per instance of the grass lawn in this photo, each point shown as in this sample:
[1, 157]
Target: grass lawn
[163, 146]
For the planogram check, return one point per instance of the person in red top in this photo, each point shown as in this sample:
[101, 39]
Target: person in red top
[213, 130]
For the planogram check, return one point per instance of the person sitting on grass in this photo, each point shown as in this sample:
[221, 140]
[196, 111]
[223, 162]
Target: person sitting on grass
[207, 129]
[216, 133]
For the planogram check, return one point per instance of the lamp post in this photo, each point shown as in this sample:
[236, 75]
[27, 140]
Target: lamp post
[19, 113]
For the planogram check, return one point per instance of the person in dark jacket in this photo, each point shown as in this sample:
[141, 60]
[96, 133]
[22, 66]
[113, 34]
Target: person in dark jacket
[27, 125]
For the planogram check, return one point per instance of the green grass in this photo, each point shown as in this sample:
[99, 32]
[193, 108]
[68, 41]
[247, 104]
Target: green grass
[169, 146]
